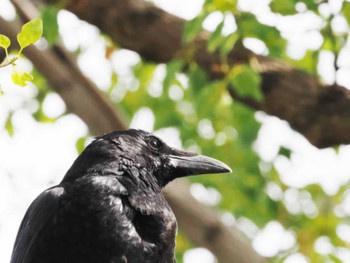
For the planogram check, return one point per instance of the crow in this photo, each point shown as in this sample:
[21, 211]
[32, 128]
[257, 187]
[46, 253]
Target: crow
[109, 207]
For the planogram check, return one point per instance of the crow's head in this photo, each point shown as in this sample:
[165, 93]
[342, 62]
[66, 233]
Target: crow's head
[138, 152]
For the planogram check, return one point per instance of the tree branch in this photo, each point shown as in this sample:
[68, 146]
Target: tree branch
[321, 113]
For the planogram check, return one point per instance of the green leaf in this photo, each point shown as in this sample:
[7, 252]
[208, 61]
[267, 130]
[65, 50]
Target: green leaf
[114, 81]
[80, 144]
[346, 11]
[335, 259]
[311, 5]
[226, 5]
[308, 63]
[144, 73]
[49, 16]
[228, 44]
[283, 7]
[21, 79]
[192, 28]
[30, 33]
[216, 38]
[246, 82]
[9, 126]
[197, 80]
[4, 41]
[249, 26]
[172, 68]
[220, 5]
[285, 152]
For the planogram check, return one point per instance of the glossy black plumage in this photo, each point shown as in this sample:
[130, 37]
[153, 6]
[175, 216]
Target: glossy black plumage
[109, 207]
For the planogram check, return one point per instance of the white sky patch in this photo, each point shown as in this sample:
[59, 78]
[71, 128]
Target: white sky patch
[53, 105]
[143, 119]
[175, 92]
[299, 202]
[254, 6]
[215, 18]
[171, 136]
[7, 11]
[335, 6]
[345, 204]
[198, 255]
[273, 239]
[44, 152]
[208, 196]
[155, 89]
[255, 45]
[247, 227]
[212, 20]
[339, 25]
[205, 129]
[343, 57]
[230, 25]
[323, 246]
[342, 77]
[307, 164]
[185, 9]
[228, 219]
[325, 66]
[343, 254]
[123, 60]
[274, 191]
[74, 32]
[94, 65]
[343, 232]
[324, 10]
[296, 258]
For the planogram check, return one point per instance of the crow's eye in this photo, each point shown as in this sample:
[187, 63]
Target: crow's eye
[154, 143]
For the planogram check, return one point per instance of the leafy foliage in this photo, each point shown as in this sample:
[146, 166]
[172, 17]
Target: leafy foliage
[30, 33]
[246, 82]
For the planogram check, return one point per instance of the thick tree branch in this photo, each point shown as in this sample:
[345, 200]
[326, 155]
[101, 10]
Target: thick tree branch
[321, 113]
[206, 229]
[84, 99]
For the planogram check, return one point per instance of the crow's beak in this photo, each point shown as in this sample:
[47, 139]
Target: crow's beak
[184, 164]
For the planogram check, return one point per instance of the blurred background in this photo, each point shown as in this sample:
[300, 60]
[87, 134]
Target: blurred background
[260, 85]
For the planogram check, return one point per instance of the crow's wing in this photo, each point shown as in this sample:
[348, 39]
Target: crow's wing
[38, 214]
[42, 214]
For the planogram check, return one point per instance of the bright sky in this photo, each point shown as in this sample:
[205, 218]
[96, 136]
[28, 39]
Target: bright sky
[38, 155]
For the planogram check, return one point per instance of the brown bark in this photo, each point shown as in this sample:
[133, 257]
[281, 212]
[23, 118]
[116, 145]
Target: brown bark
[84, 99]
[206, 229]
[321, 113]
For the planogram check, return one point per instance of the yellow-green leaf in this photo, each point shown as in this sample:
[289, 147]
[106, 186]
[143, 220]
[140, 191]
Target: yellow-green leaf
[283, 7]
[9, 126]
[21, 79]
[4, 41]
[346, 11]
[80, 144]
[334, 259]
[30, 33]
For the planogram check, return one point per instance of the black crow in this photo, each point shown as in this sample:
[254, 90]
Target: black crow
[109, 207]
